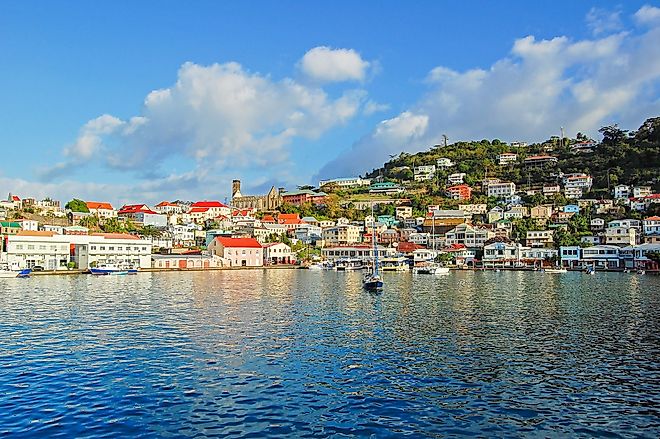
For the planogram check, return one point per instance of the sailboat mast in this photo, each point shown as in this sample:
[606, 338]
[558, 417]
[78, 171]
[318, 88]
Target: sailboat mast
[373, 239]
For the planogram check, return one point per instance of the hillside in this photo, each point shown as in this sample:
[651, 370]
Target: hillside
[628, 157]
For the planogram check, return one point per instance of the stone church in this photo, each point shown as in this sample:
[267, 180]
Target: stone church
[271, 201]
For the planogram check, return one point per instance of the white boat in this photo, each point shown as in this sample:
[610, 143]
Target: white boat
[349, 264]
[431, 269]
[325, 265]
[555, 270]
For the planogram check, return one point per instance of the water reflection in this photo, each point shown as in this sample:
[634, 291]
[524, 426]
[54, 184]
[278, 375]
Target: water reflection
[273, 353]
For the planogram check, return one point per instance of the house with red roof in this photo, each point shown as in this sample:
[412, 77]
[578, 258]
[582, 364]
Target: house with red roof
[142, 215]
[167, 208]
[459, 192]
[101, 209]
[212, 209]
[238, 252]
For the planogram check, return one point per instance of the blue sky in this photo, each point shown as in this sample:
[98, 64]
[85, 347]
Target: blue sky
[145, 101]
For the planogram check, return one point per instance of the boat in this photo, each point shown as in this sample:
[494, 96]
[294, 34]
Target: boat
[431, 269]
[8, 273]
[399, 263]
[590, 270]
[349, 264]
[640, 271]
[325, 265]
[113, 269]
[555, 270]
[371, 281]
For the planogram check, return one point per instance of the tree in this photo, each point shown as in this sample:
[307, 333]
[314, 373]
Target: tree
[77, 205]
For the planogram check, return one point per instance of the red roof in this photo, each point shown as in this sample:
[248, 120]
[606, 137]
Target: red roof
[116, 236]
[15, 198]
[407, 247]
[238, 242]
[268, 219]
[199, 209]
[208, 204]
[98, 205]
[245, 212]
[135, 208]
[165, 204]
[653, 218]
[539, 157]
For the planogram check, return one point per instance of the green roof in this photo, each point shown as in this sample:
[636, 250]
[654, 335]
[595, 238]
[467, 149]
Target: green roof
[10, 224]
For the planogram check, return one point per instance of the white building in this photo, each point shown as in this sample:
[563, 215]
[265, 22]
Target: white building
[539, 238]
[364, 252]
[167, 208]
[424, 173]
[507, 158]
[551, 190]
[28, 249]
[469, 236]
[620, 236]
[573, 192]
[276, 253]
[346, 182]
[641, 191]
[474, 209]
[651, 225]
[101, 209]
[444, 162]
[621, 191]
[501, 190]
[456, 178]
[580, 180]
[343, 234]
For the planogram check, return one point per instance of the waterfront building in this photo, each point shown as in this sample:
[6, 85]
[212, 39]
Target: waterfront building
[598, 256]
[621, 236]
[502, 254]
[102, 210]
[277, 253]
[501, 189]
[507, 158]
[346, 182]
[110, 248]
[28, 249]
[364, 252]
[186, 261]
[238, 252]
[309, 234]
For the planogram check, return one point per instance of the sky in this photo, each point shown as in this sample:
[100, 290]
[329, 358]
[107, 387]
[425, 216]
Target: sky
[139, 102]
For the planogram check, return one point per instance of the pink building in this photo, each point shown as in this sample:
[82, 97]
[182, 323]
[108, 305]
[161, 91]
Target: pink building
[239, 252]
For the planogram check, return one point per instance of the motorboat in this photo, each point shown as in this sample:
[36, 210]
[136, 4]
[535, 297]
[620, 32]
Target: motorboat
[395, 264]
[325, 265]
[113, 269]
[555, 270]
[8, 273]
[431, 269]
[349, 264]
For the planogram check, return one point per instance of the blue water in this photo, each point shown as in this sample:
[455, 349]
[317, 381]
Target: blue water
[300, 354]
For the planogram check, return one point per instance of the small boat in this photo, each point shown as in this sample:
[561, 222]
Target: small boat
[325, 265]
[431, 269]
[113, 269]
[555, 270]
[641, 271]
[371, 281]
[590, 270]
[7, 273]
[349, 264]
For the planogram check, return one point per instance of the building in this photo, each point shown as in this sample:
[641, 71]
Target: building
[403, 212]
[102, 210]
[444, 162]
[641, 191]
[542, 212]
[27, 224]
[9, 227]
[456, 178]
[597, 224]
[597, 256]
[364, 252]
[141, 214]
[304, 196]
[29, 249]
[539, 238]
[501, 189]
[516, 212]
[277, 253]
[110, 248]
[651, 226]
[238, 252]
[309, 234]
[495, 214]
[386, 187]
[540, 160]
[342, 234]
[346, 182]
[623, 236]
[580, 181]
[469, 236]
[424, 173]
[550, 190]
[501, 254]
[621, 191]
[214, 209]
[459, 192]
[474, 209]
[583, 147]
[186, 261]
[571, 208]
[271, 201]
[507, 158]
[442, 221]
[167, 208]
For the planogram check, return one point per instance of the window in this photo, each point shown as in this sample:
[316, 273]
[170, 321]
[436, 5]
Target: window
[102, 247]
[30, 247]
[93, 247]
[120, 248]
[111, 248]
[19, 247]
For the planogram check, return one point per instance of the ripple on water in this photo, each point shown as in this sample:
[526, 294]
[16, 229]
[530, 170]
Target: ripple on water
[296, 353]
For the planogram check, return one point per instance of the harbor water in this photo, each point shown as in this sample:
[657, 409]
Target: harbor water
[298, 353]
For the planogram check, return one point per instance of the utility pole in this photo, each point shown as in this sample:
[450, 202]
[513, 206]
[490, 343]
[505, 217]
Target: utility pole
[561, 139]
[444, 136]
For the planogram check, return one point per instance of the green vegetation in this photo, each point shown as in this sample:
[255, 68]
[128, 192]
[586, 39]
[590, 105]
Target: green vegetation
[77, 205]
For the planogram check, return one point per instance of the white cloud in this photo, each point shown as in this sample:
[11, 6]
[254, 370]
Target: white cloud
[372, 107]
[602, 21]
[528, 95]
[334, 65]
[648, 15]
[215, 115]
